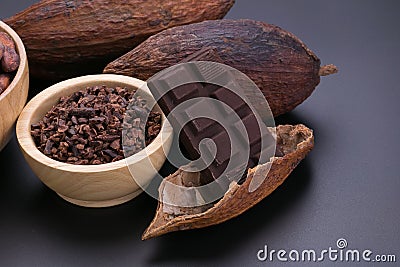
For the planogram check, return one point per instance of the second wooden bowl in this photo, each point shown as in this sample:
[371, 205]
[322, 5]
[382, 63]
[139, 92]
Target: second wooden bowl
[92, 185]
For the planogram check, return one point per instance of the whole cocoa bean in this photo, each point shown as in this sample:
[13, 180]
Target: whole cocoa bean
[70, 38]
[6, 40]
[280, 64]
[10, 60]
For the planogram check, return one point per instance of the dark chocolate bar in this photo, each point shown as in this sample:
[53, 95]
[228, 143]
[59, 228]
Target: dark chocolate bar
[230, 123]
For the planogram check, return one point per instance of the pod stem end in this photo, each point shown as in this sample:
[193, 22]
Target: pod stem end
[328, 70]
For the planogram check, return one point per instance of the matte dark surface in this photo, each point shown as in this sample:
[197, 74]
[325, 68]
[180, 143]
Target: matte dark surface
[347, 187]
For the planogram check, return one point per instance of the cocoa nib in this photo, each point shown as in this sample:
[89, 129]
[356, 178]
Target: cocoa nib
[82, 112]
[86, 127]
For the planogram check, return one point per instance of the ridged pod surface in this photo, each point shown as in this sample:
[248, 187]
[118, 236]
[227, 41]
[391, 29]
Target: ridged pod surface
[69, 38]
[280, 64]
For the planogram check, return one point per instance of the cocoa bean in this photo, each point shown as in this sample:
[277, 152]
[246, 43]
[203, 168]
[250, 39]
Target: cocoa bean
[280, 64]
[70, 38]
[6, 40]
[10, 60]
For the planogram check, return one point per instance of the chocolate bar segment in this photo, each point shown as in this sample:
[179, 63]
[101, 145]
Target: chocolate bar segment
[211, 118]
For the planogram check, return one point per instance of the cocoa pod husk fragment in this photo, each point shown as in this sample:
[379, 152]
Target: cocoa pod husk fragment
[65, 39]
[279, 63]
[294, 141]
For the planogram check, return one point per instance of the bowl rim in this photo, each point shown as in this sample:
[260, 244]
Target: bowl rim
[22, 55]
[28, 146]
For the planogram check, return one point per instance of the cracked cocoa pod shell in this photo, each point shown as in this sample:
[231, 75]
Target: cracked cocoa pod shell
[279, 63]
[70, 38]
[295, 142]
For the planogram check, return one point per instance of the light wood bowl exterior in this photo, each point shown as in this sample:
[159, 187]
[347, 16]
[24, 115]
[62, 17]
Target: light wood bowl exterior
[13, 99]
[92, 185]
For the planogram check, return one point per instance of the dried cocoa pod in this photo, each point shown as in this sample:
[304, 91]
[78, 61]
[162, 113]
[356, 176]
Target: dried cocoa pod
[5, 80]
[69, 38]
[10, 61]
[277, 61]
[295, 142]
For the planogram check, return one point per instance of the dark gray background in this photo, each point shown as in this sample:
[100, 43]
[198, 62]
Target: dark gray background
[347, 187]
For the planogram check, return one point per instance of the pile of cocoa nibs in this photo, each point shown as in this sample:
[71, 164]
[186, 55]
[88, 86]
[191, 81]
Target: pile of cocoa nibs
[86, 127]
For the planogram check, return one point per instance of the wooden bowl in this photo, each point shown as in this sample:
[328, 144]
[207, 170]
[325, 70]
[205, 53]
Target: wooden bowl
[92, 185]
[13, 99]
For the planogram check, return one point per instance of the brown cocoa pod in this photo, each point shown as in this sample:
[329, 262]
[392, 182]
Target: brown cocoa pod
[295, 142]
[69, 38]
[10, 61]
[5, 80]
[280, 64]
